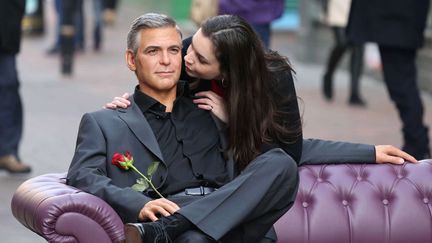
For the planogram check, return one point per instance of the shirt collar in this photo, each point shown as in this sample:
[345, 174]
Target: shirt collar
[145, 102]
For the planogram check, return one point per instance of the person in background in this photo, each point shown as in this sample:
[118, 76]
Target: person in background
[398, 29]
[336, 16]
[11, 114]
[259, 13]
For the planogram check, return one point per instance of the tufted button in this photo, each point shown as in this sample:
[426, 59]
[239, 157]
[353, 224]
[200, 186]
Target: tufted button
[359, 178]
[345, 202]
[426, 200]
[305, 204]
[400, 176]
[385, 202]
[320, 179]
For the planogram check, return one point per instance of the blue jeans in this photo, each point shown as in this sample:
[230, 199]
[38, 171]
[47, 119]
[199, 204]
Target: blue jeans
[11, 115]
[264, 31]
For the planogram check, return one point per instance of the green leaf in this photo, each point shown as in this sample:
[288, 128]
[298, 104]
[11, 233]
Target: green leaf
[152, 168]
[141, 185]
[142, 181]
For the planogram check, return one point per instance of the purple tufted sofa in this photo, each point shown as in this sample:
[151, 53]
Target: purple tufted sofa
[360, 203]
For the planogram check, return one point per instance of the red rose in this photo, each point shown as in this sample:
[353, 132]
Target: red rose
[125, 162]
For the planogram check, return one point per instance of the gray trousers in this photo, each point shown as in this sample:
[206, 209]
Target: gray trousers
[246, 208]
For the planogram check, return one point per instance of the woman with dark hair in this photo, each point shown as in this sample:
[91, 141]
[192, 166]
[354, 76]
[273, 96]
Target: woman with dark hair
[252, 91]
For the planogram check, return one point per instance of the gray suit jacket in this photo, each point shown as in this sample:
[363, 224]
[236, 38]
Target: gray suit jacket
[103, 133]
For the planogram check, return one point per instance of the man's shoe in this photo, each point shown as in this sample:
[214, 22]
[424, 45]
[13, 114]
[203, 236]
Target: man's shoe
[327, 87]
[12, 165]
[146, 232]
[355, 100]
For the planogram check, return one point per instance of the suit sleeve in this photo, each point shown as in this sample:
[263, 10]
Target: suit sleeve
[316, 151]
[88, 172]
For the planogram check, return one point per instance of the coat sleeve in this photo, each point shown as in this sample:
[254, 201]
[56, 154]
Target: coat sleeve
[317, 151]
[88, 172]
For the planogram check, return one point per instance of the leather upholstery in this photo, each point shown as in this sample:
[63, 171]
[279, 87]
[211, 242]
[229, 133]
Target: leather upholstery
[335, 203]
[361, 203]
[61, 213]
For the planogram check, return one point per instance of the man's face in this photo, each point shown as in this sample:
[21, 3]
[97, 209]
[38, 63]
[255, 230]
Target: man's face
[157, 63]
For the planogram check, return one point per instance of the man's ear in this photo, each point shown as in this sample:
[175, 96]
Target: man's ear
[130, 60]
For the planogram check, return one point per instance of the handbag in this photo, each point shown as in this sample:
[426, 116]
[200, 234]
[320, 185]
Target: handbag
[201, 10]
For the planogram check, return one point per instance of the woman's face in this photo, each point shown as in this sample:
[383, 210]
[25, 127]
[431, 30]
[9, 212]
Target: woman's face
[200, 60]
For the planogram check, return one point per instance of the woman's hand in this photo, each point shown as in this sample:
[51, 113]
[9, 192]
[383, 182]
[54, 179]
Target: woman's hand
[391, 154]
[118, 102]
[209, 100]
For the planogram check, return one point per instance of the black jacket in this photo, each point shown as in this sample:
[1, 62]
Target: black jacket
[11, 13]
[396, 23]
[285, 89]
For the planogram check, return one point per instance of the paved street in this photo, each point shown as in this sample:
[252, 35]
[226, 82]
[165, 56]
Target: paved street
[54, 104]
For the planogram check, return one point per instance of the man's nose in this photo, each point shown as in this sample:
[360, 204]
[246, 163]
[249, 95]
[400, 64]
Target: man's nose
[165, 58]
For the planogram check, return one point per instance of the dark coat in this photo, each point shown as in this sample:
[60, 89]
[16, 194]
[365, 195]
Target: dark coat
[396, 23]
[285, 89]
[11, 13]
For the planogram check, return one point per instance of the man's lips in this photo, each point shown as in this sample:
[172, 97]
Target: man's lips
[165, 73]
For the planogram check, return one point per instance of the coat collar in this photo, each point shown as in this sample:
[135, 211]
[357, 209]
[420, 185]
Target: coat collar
[139, 125]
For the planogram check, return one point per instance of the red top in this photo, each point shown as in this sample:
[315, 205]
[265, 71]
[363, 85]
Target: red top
[218, 89]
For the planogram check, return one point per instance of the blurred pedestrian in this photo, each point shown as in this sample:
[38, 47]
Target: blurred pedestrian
[79, 24]
[11, 120]
[259, 13]
[336, 15]
[79, 27]
[397, 27]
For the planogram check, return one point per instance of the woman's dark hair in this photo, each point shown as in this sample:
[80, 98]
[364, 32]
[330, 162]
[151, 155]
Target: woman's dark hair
[250, 75]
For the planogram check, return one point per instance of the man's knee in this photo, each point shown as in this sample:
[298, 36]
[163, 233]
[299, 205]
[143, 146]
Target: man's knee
[194, 236]
[280, 161]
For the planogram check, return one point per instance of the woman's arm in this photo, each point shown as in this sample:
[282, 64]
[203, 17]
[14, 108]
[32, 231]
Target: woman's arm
[317, 151]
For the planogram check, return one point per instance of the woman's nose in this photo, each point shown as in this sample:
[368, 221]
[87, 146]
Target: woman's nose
[188, 59]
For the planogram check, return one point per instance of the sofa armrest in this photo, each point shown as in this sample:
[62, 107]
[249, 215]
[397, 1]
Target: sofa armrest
[360, 203]
[62, 213]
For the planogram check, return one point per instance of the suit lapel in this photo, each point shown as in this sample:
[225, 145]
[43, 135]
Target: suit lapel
[138, 124]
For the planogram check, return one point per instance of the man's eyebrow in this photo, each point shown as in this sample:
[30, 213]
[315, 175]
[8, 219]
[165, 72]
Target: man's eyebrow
[159, 47]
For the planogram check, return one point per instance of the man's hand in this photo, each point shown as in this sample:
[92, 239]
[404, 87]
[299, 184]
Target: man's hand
[157, 207]
[391, 154]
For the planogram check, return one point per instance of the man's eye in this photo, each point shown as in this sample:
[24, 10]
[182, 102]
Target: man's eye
[152, 52]
[174, 51]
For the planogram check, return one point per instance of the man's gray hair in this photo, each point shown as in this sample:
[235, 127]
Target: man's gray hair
[148, 21]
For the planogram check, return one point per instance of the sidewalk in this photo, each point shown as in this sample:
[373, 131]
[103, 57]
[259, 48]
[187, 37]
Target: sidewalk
[53, 106]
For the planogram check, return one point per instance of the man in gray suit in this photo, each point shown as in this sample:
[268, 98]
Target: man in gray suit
[202, 202]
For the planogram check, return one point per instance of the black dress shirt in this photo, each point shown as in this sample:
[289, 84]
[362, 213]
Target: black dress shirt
[189, 142]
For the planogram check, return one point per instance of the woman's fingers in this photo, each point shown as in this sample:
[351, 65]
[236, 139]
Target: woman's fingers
[391, 154]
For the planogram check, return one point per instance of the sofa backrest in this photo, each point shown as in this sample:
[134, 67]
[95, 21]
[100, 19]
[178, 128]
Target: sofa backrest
[361, 203]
